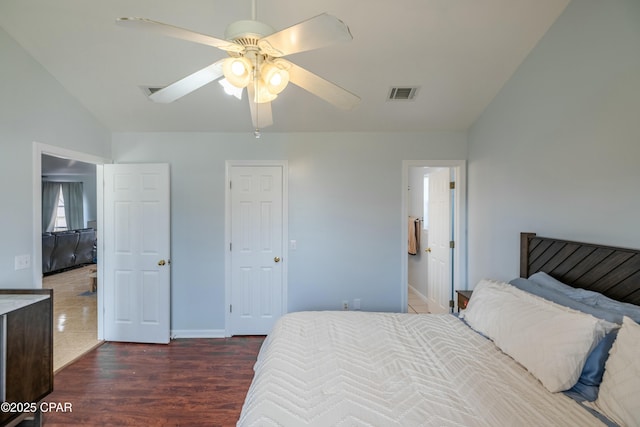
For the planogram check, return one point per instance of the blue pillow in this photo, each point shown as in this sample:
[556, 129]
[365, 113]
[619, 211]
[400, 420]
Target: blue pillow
[588, 297]
[586, 305]
[630, 310]
[546, 281]
[591, 375]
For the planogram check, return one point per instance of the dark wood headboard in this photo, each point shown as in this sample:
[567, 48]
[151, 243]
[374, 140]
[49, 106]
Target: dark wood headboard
[614, 272]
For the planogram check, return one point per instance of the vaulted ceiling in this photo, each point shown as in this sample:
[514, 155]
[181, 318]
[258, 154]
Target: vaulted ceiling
[459, 53]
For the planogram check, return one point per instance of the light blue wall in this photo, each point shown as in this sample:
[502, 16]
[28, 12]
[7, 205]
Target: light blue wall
[558, 150]
[33, 108]
[344, 211]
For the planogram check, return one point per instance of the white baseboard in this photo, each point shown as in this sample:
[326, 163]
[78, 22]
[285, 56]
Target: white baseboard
[198, 333]
[422, 297]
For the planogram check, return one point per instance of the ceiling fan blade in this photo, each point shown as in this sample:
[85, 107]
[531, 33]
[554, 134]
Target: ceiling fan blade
[179, 33]
[319, 31]
[261, 116]
[188, 84]
[322, 88]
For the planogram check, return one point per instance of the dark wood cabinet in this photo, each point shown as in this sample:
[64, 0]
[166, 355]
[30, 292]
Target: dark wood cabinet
[26, 349]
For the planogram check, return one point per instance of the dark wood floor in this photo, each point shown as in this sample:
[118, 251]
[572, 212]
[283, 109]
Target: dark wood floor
[189, 382]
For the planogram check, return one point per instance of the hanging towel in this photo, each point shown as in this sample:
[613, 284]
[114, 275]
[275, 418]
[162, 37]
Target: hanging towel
[414, 235]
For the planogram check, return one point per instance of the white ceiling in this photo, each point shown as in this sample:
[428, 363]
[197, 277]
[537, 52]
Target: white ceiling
[460, 53]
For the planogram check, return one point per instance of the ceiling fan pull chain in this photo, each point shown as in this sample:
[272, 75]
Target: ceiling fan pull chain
[256, 132]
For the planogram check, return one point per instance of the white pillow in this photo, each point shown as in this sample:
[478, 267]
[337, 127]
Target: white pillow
[550, 340]
[619, 395]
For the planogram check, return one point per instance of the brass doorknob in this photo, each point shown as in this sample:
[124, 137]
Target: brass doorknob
[428, 250]
[277, 259]
[161, 262]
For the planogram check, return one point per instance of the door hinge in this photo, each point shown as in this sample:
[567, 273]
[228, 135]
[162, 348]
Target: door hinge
[452, 185]
[452, 244]
[230, 245]
[230, 308]
[229, 185]
[451, 303]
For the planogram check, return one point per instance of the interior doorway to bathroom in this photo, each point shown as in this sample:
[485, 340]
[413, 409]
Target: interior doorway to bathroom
[435, 241]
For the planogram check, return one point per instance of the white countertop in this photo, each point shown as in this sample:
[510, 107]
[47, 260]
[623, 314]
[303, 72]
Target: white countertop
[11, 302]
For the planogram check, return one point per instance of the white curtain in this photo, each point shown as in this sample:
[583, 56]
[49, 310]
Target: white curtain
[73, 204]
[50, 195]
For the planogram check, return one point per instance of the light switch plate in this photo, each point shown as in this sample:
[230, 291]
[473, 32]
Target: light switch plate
[22, 261]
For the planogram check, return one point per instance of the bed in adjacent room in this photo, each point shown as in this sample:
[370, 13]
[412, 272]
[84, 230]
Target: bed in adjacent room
[531, 352]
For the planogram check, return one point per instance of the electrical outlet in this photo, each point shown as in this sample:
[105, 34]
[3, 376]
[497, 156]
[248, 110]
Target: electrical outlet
[22, 261]
[345, 305]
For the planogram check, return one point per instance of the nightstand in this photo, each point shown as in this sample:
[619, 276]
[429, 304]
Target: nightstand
[463, 299]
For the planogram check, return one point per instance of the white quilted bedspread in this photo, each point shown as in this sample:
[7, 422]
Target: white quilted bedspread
[382, 369]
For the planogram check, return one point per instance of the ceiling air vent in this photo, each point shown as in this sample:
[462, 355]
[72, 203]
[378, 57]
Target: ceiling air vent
[402, 93]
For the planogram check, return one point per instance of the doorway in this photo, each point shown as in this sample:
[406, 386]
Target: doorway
[432, 260]
[75, 315]
[418, 231]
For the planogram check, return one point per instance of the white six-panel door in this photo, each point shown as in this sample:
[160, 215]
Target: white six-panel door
[439, 270]
[256, 249]
[136, 261]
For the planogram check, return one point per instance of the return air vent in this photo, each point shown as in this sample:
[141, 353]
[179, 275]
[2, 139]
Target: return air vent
[402, 93]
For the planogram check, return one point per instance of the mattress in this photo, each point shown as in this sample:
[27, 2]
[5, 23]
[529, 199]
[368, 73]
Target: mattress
[384, 369]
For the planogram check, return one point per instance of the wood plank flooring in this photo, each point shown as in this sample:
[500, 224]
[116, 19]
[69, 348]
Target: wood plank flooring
[189, 382]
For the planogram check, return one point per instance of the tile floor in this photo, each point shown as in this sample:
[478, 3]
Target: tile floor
[416, 304]
[74, 315]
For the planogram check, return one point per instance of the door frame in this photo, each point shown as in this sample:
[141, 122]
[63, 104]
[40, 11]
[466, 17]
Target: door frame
[284, 164]
[459, 257]
[38, 150]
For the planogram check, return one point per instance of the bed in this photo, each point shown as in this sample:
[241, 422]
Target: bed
[518, 355]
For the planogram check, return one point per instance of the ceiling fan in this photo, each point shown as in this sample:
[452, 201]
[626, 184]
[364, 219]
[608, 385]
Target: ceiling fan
[255, 61]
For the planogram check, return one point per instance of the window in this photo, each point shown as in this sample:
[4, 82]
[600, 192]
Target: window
[61, 221]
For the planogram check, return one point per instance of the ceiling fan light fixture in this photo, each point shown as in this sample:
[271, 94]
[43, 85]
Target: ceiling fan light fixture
[237, 71]
[275, 76]
[230, 89]
[263, 94]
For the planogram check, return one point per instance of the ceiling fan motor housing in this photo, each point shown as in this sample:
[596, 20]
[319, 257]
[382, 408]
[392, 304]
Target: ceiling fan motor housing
[247, 32]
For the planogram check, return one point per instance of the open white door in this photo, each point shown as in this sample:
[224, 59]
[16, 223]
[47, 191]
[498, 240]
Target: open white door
[136, 263]
[439, 273]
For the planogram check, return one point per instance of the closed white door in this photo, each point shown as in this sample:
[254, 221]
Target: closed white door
[136, 253]
[439, 272]
[256, 249]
